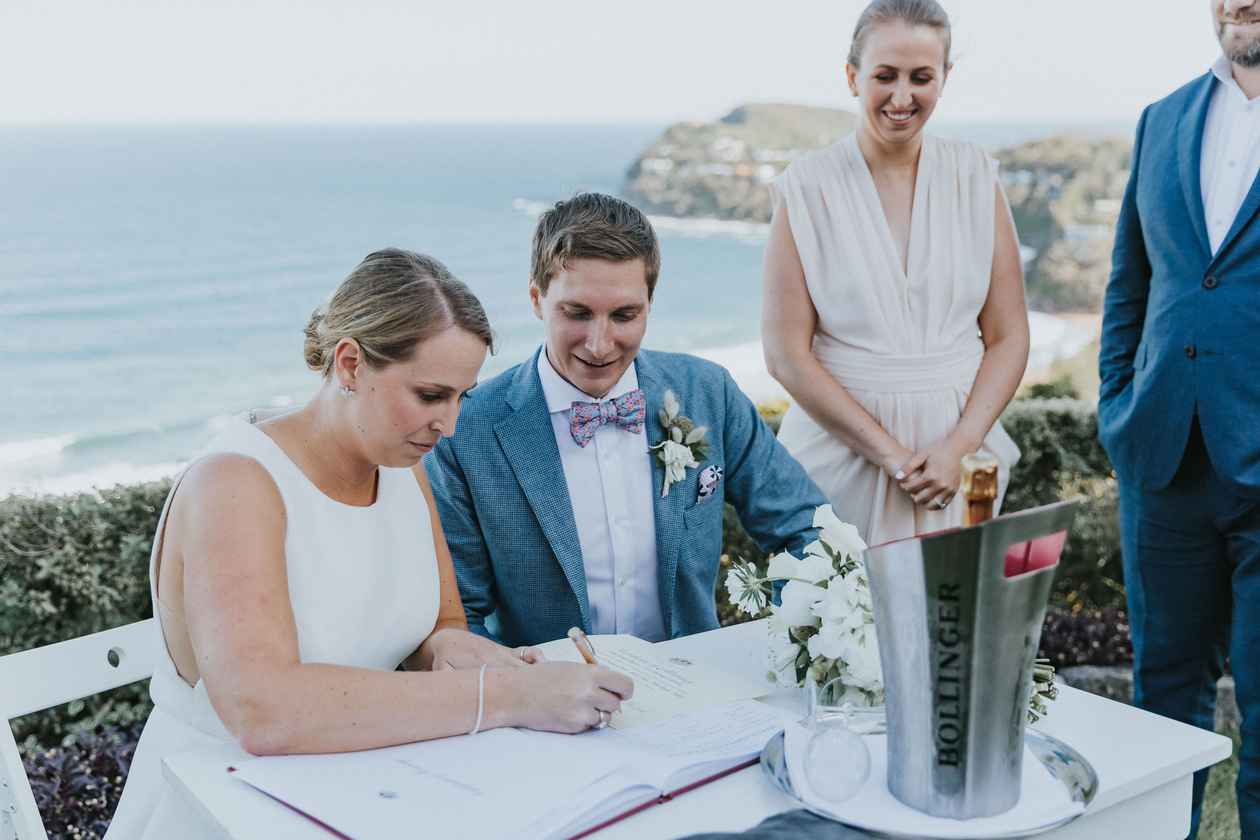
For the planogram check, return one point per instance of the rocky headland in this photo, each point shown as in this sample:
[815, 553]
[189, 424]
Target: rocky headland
[1064, 191]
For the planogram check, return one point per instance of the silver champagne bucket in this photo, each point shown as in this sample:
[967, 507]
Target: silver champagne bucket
[959, 616]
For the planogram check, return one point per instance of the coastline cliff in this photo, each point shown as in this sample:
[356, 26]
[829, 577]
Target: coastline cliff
[1064, 190]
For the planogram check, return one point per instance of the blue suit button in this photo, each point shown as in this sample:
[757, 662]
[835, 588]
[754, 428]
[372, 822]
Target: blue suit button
[1190, 351]
[1210, 282]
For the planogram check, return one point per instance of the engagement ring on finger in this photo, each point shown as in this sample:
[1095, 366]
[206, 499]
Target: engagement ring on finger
[604, 717]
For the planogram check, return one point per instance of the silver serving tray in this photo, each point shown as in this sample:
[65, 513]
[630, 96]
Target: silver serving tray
[1066, 765]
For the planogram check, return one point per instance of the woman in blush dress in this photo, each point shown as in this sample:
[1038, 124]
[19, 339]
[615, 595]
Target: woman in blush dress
[894, 307]
[301, 561]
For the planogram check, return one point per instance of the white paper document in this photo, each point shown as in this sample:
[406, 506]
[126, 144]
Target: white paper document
[664, 685]
[663, 758]
[475, 787]
[509, 783]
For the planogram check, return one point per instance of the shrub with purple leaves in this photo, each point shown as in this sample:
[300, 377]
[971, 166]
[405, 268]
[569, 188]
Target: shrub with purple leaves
[1086, 637]
[77, 786]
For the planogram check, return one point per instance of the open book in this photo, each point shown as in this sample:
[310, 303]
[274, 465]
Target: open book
[686, 726]
[664, 760]
[515, 783]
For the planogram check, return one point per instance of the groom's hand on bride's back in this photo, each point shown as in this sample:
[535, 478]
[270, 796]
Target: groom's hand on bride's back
[567, 696]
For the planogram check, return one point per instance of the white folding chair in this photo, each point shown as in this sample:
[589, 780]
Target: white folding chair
[34, 680]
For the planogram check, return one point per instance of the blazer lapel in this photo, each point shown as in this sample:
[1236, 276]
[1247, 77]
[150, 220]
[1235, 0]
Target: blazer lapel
[1245, 214]
[667, 512]
[529, 443]
[1189, 154]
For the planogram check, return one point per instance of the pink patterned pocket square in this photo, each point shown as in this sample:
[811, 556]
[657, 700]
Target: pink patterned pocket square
[710, 478]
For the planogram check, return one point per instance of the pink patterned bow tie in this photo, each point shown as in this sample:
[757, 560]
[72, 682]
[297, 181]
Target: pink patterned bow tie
[627, 411]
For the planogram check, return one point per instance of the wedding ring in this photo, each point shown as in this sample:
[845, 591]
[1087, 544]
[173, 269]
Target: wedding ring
[604, 717]
[942, 503]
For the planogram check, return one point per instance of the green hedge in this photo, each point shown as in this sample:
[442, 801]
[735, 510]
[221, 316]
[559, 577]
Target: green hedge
[72, 565]
[69, 566]
[1061, 458]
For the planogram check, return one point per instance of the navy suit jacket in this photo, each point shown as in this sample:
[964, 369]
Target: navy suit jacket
[504, 503]
[1181, 327]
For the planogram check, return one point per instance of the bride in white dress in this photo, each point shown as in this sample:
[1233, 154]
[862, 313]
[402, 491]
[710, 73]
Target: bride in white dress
[299, 562]
[894, 303]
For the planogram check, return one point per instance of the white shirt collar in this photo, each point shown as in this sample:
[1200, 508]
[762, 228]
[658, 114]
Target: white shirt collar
[1223, 70]
[560, 394]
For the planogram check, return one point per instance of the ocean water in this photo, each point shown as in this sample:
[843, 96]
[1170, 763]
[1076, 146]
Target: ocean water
[156, 280]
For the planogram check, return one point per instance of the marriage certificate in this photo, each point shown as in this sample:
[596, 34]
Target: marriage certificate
[664, 686]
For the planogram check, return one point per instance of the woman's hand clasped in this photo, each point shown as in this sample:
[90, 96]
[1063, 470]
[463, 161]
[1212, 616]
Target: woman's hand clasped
[454, 649]
[932, 475]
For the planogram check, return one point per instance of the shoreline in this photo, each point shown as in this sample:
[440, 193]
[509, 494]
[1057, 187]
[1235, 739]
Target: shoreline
[1056, 338]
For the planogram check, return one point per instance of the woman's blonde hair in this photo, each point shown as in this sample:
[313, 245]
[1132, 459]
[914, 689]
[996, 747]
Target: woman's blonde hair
[914, 12]
[391, 302]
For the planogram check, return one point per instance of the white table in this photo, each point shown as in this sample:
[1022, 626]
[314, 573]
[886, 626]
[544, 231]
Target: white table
[1144, 765]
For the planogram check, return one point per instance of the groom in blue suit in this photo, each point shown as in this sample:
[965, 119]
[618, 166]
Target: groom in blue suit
[1179, 404]
[586, 485]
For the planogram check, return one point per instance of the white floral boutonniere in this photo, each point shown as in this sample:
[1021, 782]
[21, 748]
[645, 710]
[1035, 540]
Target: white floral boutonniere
[684, 445]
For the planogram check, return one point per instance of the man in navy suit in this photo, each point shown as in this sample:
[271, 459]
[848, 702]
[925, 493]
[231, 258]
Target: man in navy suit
[1179, 404]
[586, 485]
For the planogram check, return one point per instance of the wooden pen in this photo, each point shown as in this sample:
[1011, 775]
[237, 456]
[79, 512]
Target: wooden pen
[583, 644]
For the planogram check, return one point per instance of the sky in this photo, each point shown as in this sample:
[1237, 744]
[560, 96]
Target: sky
[594, 61]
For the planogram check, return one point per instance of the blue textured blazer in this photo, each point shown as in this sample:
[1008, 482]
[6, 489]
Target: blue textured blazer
[1181, 327]
[504, 503]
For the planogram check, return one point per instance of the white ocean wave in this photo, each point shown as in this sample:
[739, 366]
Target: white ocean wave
[533, 209]
[702, 228]
[97, 478]
[217, 423]
[15, 452]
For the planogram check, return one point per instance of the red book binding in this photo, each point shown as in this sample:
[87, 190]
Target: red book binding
[660, 800]
[666, 797]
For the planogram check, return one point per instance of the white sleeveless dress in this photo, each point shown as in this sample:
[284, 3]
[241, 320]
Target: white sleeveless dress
[363, 582]
[905, 344]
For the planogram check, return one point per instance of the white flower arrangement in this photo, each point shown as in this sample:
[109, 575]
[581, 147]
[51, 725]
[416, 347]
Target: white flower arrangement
[685, 445]
[824, 626]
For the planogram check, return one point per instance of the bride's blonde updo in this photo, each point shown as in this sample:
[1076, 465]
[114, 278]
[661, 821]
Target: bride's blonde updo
[913, 12]
[392, 300]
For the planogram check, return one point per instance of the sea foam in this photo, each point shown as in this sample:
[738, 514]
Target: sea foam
[98, 478]
[18, 451]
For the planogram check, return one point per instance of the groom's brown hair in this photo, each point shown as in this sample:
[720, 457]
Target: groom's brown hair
[592, 226]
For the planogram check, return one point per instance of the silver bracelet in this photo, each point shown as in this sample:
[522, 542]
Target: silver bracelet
[481, 699]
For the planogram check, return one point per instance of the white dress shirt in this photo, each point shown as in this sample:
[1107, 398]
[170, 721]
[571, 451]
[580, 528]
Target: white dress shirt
[1230, 159]
[610, 487]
